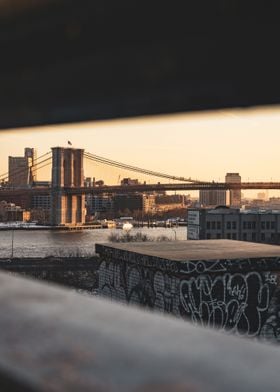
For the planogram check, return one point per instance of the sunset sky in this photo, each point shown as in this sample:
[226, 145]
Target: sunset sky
[200, 145]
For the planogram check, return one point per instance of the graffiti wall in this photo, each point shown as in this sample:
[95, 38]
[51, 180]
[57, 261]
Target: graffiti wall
[239, 296]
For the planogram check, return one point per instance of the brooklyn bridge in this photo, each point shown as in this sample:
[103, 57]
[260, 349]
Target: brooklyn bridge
[68, 192]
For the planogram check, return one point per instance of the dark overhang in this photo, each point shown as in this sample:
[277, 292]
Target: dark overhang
[73, 60]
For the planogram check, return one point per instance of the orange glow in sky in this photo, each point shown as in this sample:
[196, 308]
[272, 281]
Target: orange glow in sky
[202, 145]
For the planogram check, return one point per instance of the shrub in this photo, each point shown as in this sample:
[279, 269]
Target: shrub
[138, 237]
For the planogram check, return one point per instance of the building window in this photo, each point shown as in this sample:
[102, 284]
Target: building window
[228, 225]
[244, 236]
[218, 236]
[208, 225]
[233, 225]
[234, 236]
[249, 225]
[267, 225]
[272, 225]
[254, 236]
[208, 236]
[262, 237]
[228, 236]
[213, 225]
[245, 225]
[254, 225]
[218, 225]
[263, 225]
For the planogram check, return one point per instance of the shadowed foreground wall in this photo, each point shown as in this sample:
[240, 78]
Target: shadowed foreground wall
[241, 295]
[54, 340]
[79, 273]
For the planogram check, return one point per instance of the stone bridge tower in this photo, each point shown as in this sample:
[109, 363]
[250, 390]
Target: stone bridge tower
[67, 172]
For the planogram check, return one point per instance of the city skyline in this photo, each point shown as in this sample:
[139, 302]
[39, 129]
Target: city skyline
[199, 145]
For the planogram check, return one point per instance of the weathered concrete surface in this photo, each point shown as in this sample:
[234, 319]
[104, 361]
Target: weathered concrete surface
[55, 340]
[198, 250]
[232, 285]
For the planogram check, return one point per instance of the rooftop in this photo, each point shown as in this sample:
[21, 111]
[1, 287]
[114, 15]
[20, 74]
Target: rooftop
[201, 249]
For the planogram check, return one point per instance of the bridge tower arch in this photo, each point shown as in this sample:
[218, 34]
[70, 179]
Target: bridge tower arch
[67, 172]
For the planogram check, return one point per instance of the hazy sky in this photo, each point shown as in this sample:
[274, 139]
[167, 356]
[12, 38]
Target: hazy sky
[200, 145]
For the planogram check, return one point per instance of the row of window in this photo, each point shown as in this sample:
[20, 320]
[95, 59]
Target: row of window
[251, 225]
[245, 237]
[268, 225]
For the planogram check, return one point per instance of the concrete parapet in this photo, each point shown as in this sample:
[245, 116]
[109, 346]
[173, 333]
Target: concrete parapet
[55, 340]
[231, 285]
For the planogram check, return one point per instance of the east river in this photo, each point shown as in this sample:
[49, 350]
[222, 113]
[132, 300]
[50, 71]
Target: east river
[34, 243]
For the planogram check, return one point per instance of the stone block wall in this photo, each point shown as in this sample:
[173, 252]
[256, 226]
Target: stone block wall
[241, 296]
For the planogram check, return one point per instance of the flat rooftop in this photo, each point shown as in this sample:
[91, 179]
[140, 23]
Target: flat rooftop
[197, 250]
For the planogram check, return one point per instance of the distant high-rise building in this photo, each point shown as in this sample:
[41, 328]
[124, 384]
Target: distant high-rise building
[212, 197]
[31, 155]
[234, 194]
[21, 170]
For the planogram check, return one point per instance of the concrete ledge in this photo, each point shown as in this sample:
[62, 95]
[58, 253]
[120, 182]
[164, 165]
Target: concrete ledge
[55, 340]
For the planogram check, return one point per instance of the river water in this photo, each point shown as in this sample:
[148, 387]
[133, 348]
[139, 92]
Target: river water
[42, 243]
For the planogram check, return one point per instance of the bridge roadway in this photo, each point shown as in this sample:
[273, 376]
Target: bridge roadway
[173, 187]
[5, 192]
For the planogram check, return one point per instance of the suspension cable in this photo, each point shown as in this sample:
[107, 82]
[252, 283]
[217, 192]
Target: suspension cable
[20, 171]
[36, 159]
[110, 162]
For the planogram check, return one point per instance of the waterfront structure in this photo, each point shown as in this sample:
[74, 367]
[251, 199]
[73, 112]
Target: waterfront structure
[67, 172]
[234, 199]
[233, 223]
[99, 204]
[148, 204]
[41, 201]
[9, 212]
[124, 203]
[127, 203]
[22, 171]
[165, 203]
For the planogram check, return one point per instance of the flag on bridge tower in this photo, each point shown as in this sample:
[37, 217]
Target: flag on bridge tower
[69, 143]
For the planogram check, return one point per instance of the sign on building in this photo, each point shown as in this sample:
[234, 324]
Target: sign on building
[193, 232]
[193, 218]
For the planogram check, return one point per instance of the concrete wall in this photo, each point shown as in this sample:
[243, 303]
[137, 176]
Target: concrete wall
[55, 340]
[75, 272]
[240, 296]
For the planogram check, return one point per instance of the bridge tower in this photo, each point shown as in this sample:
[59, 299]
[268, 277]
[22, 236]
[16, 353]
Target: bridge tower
[67, 172]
